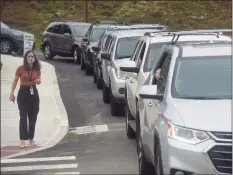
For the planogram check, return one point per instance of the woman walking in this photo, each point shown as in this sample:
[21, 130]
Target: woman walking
[28, 97]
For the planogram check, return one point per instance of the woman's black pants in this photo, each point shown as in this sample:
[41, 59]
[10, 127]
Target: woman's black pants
[28, 108]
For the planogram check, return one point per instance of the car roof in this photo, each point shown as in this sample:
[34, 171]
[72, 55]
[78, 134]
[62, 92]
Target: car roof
[74, 23]
[206, 49]
[164, 38]
[130, 33]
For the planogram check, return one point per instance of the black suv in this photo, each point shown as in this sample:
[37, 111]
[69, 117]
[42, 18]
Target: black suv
[91, 39]
[64, 39]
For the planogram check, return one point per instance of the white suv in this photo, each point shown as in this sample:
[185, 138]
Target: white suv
[145, 56]
[122, 44]
[185, 112]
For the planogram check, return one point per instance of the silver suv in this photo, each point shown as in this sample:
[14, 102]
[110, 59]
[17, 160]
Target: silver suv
[185, 111]
[121, 45]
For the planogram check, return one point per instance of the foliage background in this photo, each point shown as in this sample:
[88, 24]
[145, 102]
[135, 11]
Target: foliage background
[33, 16]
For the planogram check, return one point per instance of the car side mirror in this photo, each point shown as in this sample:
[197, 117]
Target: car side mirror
[67, 35]
[105, 56]
[95, 48]
[150, 92]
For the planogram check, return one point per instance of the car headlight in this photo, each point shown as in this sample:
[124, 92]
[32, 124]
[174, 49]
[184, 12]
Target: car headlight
[120, 74]
[18, 34]
[186, 135]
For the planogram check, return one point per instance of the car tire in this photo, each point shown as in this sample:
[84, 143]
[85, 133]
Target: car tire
[128, 116]
[99, 83]
[76, 55]
[158, 161]
[88, 69]
[105, 92]
[82, 64]
[6, 46]
[115, 108]
[94, 77]
[48, 54]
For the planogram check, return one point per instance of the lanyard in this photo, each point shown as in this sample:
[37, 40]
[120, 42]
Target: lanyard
[30, 76]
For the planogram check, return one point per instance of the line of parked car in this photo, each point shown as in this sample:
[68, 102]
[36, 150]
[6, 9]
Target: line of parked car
[174, 88]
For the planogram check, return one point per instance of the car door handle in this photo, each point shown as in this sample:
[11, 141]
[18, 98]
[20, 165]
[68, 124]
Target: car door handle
[150, 104]
[131, 81]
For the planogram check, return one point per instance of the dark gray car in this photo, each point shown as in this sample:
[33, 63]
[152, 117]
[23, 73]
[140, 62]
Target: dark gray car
[64, 39]
[12, 40]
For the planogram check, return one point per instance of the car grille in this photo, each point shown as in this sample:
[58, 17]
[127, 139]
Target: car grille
[221, 157]
[223, 135]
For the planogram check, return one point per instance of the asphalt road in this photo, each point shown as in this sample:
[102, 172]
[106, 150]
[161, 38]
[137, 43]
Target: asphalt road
[108, 152]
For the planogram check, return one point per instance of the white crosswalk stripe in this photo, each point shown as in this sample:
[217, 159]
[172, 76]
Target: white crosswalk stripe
[55, 165]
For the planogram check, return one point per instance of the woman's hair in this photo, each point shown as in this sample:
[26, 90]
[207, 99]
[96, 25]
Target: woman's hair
[36, 64]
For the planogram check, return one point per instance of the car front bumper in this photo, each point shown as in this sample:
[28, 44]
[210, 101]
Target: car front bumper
[190, 159]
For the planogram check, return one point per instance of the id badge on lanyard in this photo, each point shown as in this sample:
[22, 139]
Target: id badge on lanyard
[30, 80]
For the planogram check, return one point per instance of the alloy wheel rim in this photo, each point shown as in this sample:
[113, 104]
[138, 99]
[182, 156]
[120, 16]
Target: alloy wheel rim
[47, 51]
[5, 46]
[75, 55]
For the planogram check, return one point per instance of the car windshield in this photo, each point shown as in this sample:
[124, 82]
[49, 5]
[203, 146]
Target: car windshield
[80, 30]
[125, 47]
[3, 25]
[153, 55]
[96, 33]
[203, 78]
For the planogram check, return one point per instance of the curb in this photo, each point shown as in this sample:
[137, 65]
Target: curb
[62, 122]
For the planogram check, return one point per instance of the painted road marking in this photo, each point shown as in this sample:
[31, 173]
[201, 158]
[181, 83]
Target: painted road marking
[38, 167]
[69, 173]
[38, 159]
[89, 129]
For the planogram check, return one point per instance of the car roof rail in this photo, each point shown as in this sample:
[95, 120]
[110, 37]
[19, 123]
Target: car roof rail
[177, 34]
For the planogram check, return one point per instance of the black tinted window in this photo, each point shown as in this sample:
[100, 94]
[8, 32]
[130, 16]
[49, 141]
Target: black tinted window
[203, 77]
[58, 29]
[125, 47]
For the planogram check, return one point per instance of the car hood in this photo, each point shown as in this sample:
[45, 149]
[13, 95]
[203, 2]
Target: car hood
[18, 31]
[123, 62]
[208, 115]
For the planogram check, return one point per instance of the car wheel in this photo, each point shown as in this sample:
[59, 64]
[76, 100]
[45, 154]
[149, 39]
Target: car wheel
[88, 69]
[6, 46]
[98, 83]
[76, 55]
[129, 131]
[105, 92]
[47, 52]
[158, 161]
[82, 64]
[94, 77]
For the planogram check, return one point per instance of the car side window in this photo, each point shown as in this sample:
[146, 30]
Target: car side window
[141, 54]
[107, 43]
[50, 29]
[164, 74]
[135, 50]
[66, 29]
[58, 29]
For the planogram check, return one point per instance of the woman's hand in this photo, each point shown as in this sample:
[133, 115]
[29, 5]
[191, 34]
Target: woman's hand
[12, 97]
[38, 81]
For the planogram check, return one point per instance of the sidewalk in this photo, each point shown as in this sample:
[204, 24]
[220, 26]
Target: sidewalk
[52, 121]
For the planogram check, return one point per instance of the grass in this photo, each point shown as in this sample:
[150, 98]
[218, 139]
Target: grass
[34, 16]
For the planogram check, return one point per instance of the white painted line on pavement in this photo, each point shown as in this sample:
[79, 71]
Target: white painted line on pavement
[38, 167]
[90, 129]
[38, 159]
[67, 173]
